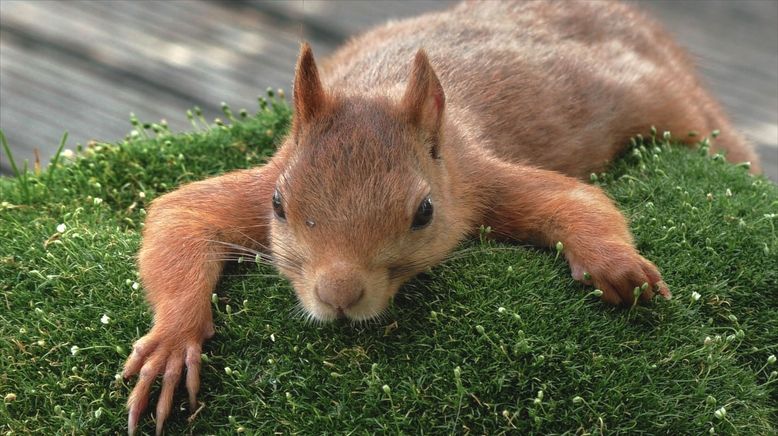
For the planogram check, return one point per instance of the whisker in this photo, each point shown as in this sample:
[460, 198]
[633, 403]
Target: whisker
[265, 276]
[273, 259]
[234, 246]
[241, 258]
[298, 311]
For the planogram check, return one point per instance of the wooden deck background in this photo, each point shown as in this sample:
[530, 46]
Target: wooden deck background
[83, 66]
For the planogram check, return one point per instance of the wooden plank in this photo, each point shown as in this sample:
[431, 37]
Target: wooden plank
[346, 18]
[85, 87]
[38, 27]
[43, 95]
[193, 59]
[51, 88]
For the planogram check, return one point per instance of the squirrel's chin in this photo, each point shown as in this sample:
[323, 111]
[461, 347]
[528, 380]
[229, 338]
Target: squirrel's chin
[359, 313]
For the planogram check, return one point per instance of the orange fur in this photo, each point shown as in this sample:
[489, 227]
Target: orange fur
[507, 103]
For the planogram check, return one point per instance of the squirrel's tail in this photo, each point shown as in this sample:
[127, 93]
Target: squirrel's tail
[710, 116]
[735, 146]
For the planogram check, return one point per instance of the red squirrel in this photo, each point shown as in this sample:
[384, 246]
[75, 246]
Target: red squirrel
[410, 138]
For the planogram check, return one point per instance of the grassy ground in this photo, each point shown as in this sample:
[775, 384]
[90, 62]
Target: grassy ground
[499, 341]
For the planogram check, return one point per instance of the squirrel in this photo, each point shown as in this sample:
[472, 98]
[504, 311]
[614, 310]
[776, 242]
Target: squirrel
[411, 137]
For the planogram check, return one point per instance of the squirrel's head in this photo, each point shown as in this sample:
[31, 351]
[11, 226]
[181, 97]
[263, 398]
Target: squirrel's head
[362, 202]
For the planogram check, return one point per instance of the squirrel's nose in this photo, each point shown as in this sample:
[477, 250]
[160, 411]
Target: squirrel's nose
[339, 287]
[339, 297]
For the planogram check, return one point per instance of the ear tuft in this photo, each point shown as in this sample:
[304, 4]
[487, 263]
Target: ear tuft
[309, 95]
[424, 99]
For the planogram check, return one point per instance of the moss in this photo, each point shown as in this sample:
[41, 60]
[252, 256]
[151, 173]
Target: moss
[498, 340]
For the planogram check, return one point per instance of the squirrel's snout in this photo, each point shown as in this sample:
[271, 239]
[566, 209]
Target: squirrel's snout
[340, 287]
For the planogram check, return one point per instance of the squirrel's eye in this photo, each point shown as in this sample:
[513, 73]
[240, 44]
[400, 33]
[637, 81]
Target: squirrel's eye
[423, 214]
[278, 208]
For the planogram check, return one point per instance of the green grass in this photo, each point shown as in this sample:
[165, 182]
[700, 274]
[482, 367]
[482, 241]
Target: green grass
[499, 341]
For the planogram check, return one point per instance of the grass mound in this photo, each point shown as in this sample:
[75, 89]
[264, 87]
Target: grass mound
[500, 340]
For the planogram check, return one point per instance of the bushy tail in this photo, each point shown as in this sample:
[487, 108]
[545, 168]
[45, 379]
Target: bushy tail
[736, 147]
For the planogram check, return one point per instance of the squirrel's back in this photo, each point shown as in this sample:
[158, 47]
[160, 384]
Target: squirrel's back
[560, 85]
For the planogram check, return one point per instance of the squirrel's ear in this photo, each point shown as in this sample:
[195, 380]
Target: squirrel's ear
[424, 99]
[309, 95]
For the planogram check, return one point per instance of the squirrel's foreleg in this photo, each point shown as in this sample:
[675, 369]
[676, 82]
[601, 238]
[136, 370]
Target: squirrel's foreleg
[548, 208]
[187, 237]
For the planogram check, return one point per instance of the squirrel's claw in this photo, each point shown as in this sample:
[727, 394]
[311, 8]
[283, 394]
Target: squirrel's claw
[193, 374]
[175, 363]
[139, 398]
[152, 357]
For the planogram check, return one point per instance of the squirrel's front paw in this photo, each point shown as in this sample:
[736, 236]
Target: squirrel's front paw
[619, 271]
[163, 351]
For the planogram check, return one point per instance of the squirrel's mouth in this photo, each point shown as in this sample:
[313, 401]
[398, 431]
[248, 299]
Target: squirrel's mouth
[372, 305]
[353, 314]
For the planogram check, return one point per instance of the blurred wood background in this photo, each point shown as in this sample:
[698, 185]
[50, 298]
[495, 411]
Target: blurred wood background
[83, 66]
